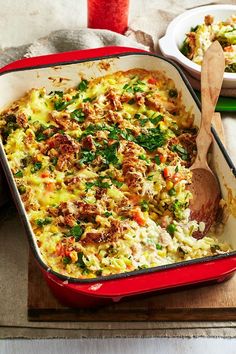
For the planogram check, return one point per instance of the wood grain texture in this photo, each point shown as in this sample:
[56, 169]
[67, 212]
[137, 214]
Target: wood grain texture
[210, 303]
[217, 124]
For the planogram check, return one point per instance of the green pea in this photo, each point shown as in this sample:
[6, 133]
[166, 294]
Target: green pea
[171, 229]
[21, 189]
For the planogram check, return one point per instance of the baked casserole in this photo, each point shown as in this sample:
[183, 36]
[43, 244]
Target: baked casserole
[103, 171]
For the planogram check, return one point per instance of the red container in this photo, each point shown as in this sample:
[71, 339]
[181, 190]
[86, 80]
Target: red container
[20, 76]
[108, 14]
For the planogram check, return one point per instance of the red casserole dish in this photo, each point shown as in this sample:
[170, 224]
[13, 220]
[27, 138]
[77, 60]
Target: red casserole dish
[20, 76]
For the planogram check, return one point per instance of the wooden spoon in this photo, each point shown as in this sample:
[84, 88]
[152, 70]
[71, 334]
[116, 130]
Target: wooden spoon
[205, 187]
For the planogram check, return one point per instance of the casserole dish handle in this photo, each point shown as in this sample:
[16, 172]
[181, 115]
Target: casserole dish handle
[74, 55]
[158, 280]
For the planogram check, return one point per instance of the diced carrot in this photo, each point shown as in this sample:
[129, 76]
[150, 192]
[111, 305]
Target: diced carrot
[162, 158]
[135, 199]
[176, 178]
[59, 249]
[45, 174]
[49, 186]
[166, 173]
[228, 49]
[139, 217]
[152, 80]
[130, 267]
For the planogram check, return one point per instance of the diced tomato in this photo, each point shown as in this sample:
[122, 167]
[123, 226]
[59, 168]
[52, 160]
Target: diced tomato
[152, 80]
[45, 174]
[166, 173]
[139, 217]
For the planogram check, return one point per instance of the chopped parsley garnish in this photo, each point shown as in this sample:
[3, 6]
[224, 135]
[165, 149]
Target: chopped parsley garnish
[127, 88]
[150, 178]
[135, 87]
[66, 260]
[181, 151]
[231, 68]
[36, 167]
[92, 128]
[194, 29]
[114, 133]
[76, 231]
[80, 263]
[83, 85]
[185, 49]
[99, 183]
[78, 115]
[42, 222]
[18, 174]
[58, 93]
[158, 246]
[127, 135]
[40, 136]
[157, 160]
[89, 99]
[172, 192]
[117, 183]
[107, 214]
[109, 153]
[143, 121]
[60, 105]
[54, 160]
[87, 157]
[156, 120]
[152, 140]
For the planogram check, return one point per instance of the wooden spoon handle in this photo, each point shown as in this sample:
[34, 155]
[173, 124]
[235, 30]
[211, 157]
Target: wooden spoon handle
[212, 72]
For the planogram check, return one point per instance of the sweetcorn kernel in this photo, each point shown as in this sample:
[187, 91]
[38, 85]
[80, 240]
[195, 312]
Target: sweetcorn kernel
[169, 185]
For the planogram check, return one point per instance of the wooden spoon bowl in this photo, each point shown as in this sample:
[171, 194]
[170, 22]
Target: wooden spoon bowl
[204, 205]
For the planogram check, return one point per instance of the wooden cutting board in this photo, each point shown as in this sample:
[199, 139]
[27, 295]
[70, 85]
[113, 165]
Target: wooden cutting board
[206, 303]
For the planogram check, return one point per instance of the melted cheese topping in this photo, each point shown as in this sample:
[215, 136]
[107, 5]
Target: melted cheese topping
[102, 170]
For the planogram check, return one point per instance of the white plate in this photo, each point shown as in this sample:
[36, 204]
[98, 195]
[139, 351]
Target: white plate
[171, 43]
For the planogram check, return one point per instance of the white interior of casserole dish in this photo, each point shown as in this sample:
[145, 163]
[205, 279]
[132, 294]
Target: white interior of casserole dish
[14, 85]
[171, 43]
